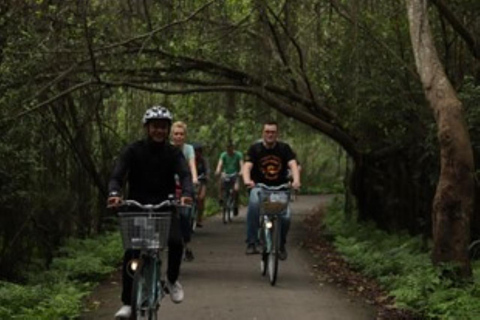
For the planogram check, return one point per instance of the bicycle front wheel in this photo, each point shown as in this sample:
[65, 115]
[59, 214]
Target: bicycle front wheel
[193, 221]
[264, 234]
[225, 213]
[144, 302]
[273, 254]
[230, 207]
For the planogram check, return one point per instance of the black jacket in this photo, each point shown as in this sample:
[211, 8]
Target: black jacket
[150, 169]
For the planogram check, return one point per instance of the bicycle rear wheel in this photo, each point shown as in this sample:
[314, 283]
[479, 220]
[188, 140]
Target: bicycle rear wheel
[273, 254]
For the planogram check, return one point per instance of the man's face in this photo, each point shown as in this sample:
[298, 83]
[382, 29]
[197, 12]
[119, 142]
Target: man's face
[230, 149]
[158, 130]
[270, 133]
[178, 136]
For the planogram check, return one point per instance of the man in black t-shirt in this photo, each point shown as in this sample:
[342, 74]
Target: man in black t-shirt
[267, 162]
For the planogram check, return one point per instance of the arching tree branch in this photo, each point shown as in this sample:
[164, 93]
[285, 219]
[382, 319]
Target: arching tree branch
[457, 25]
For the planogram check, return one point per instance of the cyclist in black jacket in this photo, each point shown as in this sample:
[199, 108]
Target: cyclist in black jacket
[149, 167]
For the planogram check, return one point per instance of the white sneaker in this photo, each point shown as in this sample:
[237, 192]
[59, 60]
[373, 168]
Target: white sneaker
[124, 313]
[176, 291]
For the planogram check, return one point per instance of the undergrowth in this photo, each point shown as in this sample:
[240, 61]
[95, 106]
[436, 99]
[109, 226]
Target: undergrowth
[401, 266]
[57, 293]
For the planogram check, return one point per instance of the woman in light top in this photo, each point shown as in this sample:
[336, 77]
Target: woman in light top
[179, 135]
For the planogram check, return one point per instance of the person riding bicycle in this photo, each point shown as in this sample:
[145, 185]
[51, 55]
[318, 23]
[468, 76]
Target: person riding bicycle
[203, 171]
[290, 178]
[267, 162]
[179, 135]
[149, 167]
[230, 163]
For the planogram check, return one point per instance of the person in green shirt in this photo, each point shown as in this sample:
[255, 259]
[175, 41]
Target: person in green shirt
[230, 163]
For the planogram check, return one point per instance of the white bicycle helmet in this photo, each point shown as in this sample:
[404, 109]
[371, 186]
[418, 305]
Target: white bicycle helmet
[157, 113]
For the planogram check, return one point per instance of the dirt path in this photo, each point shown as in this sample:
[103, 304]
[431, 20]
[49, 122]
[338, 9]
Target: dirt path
[224, 283]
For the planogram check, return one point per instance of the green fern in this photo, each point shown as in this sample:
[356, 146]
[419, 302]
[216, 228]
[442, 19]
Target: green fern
[400, 264]
[57, 293]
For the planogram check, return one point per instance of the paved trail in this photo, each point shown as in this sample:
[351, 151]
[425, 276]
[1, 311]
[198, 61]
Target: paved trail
[224, 283]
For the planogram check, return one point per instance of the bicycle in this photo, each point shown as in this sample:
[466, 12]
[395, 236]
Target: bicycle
[293, 194]
[146, 227]
[273, 203]
[229, 204]
[194, 208]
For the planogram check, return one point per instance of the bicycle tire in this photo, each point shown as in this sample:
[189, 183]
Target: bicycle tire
[264, 233]
[193, 218]
[157, 291]
[225, 206]
[230, 207]
[224, 215]
[273, 254]
[139, 293]
[144, 295]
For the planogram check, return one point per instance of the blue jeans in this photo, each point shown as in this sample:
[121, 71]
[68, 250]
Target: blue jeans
[253, 219]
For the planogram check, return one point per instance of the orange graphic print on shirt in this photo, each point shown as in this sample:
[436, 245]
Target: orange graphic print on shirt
[271, 166]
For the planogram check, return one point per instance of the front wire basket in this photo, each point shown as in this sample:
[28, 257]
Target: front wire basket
[274, 202]
[145, 230]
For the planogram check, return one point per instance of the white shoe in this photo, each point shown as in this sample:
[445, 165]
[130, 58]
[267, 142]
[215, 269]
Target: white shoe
[176, 291]
[124, 313]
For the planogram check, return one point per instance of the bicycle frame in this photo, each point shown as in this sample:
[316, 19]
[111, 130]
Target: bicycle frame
[194, 210]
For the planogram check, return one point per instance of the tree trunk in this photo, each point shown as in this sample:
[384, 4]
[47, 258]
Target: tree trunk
[453, 201]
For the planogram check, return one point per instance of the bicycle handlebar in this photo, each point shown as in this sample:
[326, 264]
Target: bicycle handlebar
[202, 177]
[273, 188]
[229, 175]
[166, 203]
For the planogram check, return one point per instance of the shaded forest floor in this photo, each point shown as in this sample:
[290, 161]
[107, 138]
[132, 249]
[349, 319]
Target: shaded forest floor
[331, 267]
